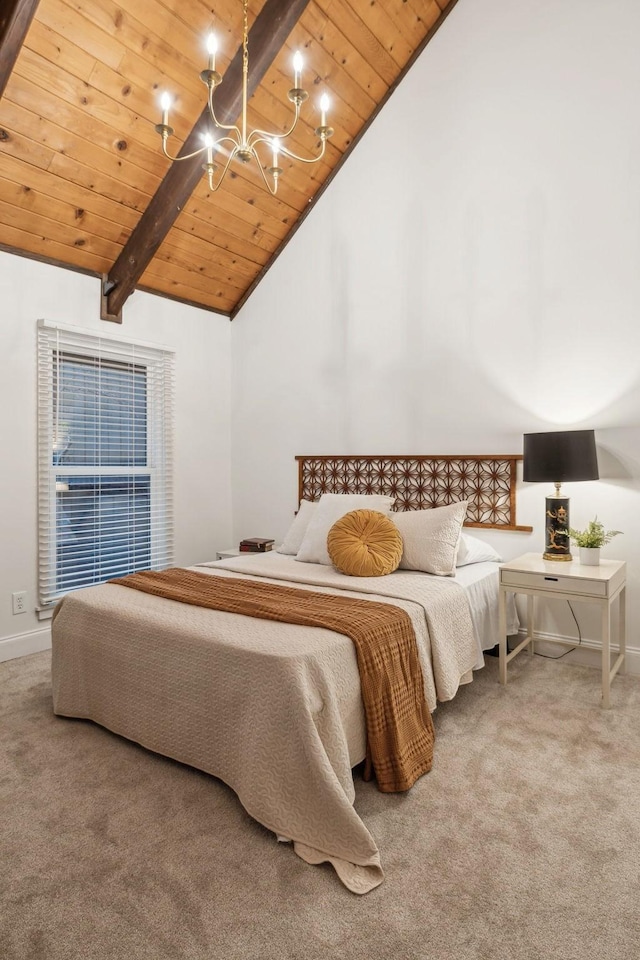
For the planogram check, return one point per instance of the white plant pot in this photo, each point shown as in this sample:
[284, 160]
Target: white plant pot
[590, 556]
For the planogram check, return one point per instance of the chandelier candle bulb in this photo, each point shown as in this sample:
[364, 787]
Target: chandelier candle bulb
[276, 148]
[212, 48]
[297, 69]
[165, 104]
[324, 106]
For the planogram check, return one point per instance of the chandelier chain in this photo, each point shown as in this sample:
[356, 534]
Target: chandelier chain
[245, 35]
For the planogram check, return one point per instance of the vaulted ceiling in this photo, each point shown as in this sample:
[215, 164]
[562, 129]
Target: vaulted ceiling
[83, 182]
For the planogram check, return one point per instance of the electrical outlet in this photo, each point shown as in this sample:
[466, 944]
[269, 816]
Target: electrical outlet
[19, 601]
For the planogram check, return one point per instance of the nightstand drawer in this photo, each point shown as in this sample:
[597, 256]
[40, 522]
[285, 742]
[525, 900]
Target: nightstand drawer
[580, 586]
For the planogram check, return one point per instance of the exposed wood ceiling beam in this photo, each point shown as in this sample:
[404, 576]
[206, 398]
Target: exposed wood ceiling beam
[271, 28]
[15, 20]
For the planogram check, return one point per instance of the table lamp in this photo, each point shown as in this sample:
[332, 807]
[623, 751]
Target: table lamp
[554, 458]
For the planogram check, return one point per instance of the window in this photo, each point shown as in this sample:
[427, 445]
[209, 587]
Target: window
[104, 440]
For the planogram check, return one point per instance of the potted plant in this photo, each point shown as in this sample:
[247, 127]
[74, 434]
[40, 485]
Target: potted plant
[590, 540]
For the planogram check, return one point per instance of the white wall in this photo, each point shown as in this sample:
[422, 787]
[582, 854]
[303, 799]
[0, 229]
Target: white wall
[470, 275]
[30, 290]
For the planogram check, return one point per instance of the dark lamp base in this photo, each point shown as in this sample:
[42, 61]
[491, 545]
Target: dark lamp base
[556, 519]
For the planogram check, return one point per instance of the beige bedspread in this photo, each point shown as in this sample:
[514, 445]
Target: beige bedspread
[272, 709]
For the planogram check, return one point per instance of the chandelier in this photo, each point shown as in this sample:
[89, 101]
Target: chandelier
[236, 142]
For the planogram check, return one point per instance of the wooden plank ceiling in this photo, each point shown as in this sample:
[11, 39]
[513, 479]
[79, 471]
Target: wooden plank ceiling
[80, 161]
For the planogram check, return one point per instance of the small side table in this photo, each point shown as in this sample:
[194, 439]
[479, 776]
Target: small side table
[227, 554]
[601, 585]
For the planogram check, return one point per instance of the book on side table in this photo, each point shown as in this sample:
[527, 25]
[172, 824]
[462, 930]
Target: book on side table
[256, 545]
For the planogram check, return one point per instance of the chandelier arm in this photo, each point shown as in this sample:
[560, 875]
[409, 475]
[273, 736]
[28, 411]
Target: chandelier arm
[224, 170]
[221, 126]
[187, 156]
[272, 190]
[295, 156]
[267, 138]
[234, 143]
[261, 135]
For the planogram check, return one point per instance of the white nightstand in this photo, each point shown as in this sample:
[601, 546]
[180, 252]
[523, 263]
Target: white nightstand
[602, 585]
[227, 554]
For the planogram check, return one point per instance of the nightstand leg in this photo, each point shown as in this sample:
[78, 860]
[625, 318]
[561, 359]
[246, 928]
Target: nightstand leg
[606, 655]
[622, 628]
[530, 600]
[502, 640]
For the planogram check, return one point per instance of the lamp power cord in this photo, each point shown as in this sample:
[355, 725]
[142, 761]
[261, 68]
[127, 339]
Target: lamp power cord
[548, 656]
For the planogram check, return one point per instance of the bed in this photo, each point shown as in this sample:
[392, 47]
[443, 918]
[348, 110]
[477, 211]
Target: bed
[272, 709]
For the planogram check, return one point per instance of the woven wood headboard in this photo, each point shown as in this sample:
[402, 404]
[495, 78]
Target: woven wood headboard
[418, 483]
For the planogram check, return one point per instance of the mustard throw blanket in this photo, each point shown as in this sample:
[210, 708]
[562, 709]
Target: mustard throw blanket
[400, 733]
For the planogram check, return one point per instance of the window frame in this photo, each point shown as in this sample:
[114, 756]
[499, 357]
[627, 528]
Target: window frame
[54, 341]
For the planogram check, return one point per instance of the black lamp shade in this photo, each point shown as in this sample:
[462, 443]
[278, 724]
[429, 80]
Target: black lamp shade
[559, 456]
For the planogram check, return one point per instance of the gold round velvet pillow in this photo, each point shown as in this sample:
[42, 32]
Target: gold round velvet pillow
[365, 543]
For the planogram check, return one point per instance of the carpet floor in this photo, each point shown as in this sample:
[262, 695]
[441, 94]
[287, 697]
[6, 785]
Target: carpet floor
[523, 843]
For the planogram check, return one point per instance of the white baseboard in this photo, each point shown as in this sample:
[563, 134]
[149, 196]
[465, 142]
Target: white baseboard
[24, 643]
[588, 653]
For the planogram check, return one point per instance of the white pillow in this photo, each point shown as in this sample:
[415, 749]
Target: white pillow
[430, 538]
[472, 550]
[330, 507]
[297, 530]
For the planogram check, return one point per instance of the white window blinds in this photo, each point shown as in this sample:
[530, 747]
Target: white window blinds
[105, 423]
